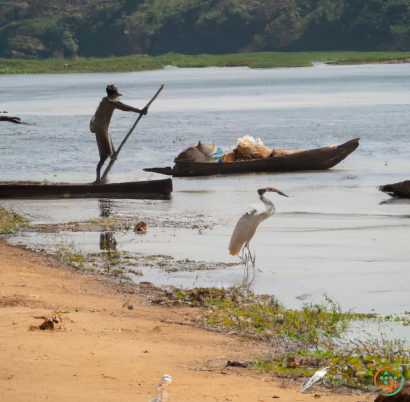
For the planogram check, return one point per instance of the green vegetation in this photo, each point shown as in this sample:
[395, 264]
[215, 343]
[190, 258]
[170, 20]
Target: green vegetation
[110, 262]
[119, 264]
[71, 256]
[11, 222]
[200, 297]
[304, 340]
[263, 318]
[139, 63]
[354, 368]
[103, 28]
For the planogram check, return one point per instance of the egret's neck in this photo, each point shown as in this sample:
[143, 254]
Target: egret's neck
[270, 207]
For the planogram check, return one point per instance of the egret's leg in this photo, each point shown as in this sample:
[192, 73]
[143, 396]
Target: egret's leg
[248, 262]
[253, 258]
[249, 251]
[243, 253]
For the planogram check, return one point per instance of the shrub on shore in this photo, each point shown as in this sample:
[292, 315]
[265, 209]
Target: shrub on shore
[11, 222]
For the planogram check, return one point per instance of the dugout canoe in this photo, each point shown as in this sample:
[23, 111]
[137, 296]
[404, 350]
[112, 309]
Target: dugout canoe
[314, 159]
[153, 189]
[400, 190]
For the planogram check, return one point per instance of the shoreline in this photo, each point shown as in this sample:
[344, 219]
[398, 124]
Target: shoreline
[109, 350]
[136, 63]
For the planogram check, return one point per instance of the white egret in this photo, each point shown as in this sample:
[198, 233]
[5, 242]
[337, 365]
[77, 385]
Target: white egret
[245, 230]
[247, 225]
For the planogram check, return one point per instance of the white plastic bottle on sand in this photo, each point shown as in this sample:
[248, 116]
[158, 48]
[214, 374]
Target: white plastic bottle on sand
[162, 394]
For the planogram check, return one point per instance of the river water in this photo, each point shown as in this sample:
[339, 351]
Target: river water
[335, 234]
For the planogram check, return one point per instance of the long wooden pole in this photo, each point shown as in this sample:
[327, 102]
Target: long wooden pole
[111, 164]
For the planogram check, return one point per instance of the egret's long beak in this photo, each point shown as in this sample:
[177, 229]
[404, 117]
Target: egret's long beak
[280, 193]
[275, 190]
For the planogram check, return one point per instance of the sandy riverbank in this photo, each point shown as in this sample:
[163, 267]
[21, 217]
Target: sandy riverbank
[93, 360]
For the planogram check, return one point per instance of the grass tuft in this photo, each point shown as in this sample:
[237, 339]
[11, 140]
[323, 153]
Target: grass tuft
[11, 222]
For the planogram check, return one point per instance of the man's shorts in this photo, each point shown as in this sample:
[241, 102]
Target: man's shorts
[104, 142]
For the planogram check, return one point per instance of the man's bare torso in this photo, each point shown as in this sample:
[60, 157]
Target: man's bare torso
[103, 115]
[102, 118]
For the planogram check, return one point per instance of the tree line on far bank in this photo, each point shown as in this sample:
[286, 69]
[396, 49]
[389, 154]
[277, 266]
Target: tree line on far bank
[104, 28]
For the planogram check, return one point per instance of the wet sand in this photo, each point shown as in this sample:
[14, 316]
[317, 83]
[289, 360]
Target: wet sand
[111, 353]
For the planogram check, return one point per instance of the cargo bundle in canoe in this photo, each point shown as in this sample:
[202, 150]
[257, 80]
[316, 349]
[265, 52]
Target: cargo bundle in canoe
[400, 190]
[315, 159]
[154, 189]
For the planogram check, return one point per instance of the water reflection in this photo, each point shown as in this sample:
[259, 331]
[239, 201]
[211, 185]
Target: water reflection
[105, 208]
[396, 201]
[107, 239]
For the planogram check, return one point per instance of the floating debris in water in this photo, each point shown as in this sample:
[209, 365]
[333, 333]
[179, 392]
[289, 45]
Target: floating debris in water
[141, 228]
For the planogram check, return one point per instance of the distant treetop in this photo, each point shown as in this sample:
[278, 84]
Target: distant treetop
[103, 28]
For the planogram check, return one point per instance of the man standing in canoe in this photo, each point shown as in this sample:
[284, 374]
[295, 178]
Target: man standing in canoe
[100, 123]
